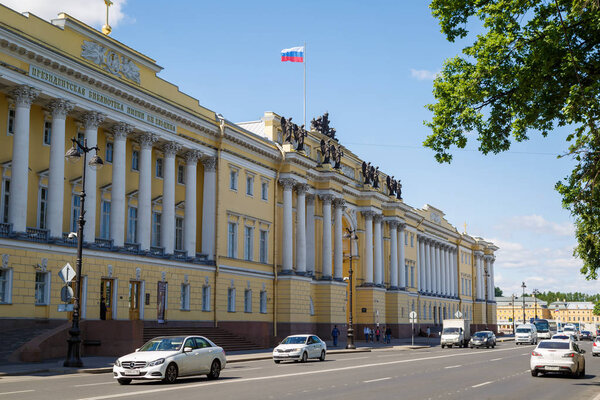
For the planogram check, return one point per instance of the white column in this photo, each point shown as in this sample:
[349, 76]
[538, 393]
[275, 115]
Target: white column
[326, 257]
[91, 121]
[442, 270]
[56, 179]
[401, 257]
[421, 264]
[117, 197]
[454, 273]
[144, 223]
[393, 254]
[479, 277]
[17, 202]
[446, 271]
[428, 266]
[368, 247]
[493, 293]
[209, 206]
[338, 247]
[377, 238]
[301, 228]
[433, 270]
[288, 226]
[167, 220]
[189, 223]
[310, 234]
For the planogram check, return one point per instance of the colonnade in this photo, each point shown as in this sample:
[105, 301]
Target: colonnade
[438, 269]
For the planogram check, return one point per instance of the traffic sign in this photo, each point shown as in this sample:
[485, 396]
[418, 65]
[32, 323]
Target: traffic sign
[412, 316]
[66, 293]
[67, 273]
[65, 307]
[458, 314]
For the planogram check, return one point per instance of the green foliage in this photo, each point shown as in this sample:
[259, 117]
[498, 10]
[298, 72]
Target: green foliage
[535, 67]
[498, 291]
[597, 308]
[551, 297]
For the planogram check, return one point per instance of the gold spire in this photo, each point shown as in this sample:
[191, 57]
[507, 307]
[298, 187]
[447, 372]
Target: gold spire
[465, 227]
[106, 29]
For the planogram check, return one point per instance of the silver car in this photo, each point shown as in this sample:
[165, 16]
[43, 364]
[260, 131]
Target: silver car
[483, 339]
[300, 348]
[563, 356]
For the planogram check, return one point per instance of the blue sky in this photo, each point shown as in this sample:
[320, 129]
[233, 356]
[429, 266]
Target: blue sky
[371, 66]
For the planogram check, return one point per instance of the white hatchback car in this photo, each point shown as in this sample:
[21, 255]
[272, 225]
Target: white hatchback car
[562, 356]
[168, 357]
[300, 348]
[596, 347]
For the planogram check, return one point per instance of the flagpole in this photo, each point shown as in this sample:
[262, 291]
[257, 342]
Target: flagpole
[305, 127]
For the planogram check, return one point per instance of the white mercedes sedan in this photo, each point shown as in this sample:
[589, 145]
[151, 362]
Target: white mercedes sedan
[300, 348]
[168, 357]
[558, 355]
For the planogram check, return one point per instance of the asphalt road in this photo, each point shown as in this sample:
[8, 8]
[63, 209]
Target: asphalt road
[500, 373]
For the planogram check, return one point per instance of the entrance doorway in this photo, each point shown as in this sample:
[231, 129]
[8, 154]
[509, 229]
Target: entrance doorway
[134, 300]
[106, 296]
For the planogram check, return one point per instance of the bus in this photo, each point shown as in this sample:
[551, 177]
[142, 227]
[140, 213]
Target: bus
[543, 329]
[552, 326]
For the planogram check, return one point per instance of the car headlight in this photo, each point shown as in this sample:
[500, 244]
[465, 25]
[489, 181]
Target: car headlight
[118, 363]
[156, 362]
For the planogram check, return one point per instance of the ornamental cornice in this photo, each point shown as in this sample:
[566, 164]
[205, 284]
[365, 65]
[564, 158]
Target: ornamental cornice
[60, 108]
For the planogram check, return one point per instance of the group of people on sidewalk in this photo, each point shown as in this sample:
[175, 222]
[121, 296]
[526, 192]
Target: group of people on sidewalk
[375, 333]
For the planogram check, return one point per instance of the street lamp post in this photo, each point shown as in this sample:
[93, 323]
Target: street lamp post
[74, 340]
[523, 286]
[513, 318]
[351, 234]
[535, 293]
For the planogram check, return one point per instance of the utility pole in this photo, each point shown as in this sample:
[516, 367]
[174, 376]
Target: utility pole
[523, 286]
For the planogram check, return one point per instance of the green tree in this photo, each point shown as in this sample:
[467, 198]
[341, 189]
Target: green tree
[532, 67]
[498, 291]
[597, 308]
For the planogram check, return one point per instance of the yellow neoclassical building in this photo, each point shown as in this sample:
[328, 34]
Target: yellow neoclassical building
[195, 220]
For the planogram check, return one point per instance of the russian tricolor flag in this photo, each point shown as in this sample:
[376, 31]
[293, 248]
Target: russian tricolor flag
[295, 54]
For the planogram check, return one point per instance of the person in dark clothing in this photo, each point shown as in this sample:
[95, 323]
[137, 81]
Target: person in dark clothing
[102, 309]
[377, 334]
[388, 335]
[334, 334]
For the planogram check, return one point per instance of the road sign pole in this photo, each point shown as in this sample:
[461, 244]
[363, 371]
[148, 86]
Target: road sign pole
[413, 334]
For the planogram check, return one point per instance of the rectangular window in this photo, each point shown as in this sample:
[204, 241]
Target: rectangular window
[5, 285]
[81, 137]
[158, 168]
[156, 229]
[231, 299]
[185, 296]
[109, 152]
[232, 240]
[263, 256]
[47, 132]
[233, 175]
[412, 276]
[10, 126]
[412, 240]
[264, 191]
[75, 212]
[42, 288]
[132, 225]
[178, 233]
[248, 300]
[43, 208]
[406, 239]
[248, 243]
[5, 197]
[105, 219]
[263, 302]
[205, 298]
[135, 160]
[408, 282]
[250, 185]
[181, 174]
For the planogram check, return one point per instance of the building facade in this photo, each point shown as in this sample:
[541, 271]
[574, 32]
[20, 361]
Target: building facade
[198, 220]
[574, 311]
[511, 309]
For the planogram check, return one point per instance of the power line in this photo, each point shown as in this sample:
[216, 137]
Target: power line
[457, 149]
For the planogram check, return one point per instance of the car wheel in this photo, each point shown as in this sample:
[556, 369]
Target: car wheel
[534, 372]
[124, 381]
[443, 346]
[471, 346]
[171, 374]
[215, 370]
[277, 361]
[449, 346]
[322, 358]
[304, 357]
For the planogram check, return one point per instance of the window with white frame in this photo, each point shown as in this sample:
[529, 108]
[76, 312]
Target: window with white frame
[181, 174]
[105, 219]
[5, 285]
[263, 302]
[263, 246]
[248, 243]
[248, 300]
[232, 240]
[406, 274]
[5, 198]
[205, 298]
[158, 168]
[264, 190]
[10, 124]
[135, 160]
[109, 152]
[412, 276]
[42, 288]
[132, 220]
[47, 132]
[156, 229]
[178, 233]
[42, 207]
[412, 240]
[311, 306]
[75, 212]
[231, 299]
[250, 185]
[233, 179]
[185, 296]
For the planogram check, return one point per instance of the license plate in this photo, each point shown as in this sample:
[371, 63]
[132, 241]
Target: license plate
[131, 372]
[551, 368]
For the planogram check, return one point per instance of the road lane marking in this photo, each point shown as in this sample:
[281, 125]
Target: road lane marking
[377, 380]
[292, 375]
[239, 370]
[353, 358]
[19, 391]
[496, 359]
[95, 384]
[482, 384]
[525, 354]
[453, 366]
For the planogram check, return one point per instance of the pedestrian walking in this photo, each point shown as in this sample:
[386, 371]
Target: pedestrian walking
[377, 334]
[334, 335]
[388, 335]
[366, 331]
[371, 334]
[428, 333]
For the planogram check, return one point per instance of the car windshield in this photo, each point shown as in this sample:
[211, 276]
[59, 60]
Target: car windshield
[450, 331]
[294, 340]
[560, 337]
[523, 330]
[163, 344]
[569, 329]
[480, 334]
[554, 345]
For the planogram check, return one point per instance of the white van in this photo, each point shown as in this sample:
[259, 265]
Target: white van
[526, 333]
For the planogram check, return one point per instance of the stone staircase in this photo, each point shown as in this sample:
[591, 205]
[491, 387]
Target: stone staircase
[12, 339]
[221, 337]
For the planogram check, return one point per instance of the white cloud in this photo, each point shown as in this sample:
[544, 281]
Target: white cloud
[90, 12]
[538, 224]
[423, 74]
